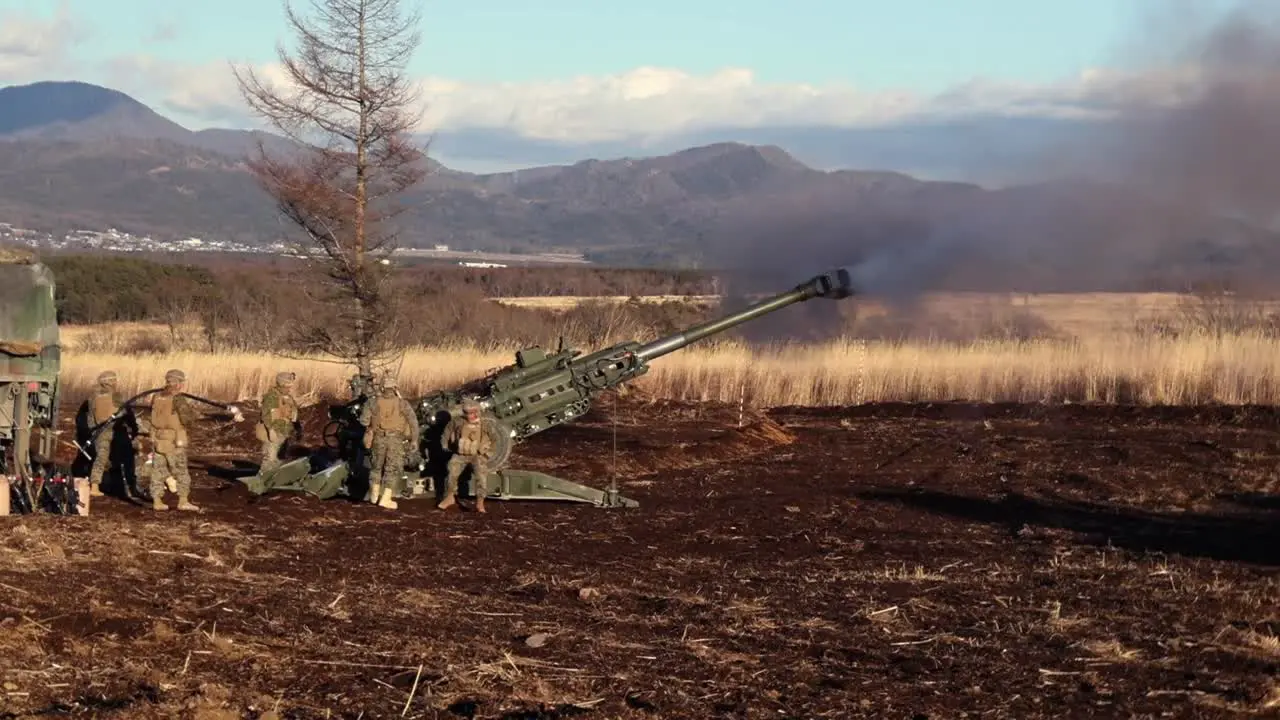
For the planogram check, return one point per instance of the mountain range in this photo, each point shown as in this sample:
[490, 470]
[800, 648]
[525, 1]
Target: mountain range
[80, 156]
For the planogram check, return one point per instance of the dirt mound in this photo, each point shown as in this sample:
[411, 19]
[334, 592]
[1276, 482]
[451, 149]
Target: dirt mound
[763, 433]
[638, 402]
[734, 444]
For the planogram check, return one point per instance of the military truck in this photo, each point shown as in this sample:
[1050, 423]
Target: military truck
[30, 360]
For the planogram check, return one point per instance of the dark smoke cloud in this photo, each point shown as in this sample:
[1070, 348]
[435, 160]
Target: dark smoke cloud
[888, 241]
[1220, 151]
[1181, 187]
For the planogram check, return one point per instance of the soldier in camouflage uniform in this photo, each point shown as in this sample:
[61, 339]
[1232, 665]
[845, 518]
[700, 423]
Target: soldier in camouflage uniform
[279, 420]
[391, 431]
[171, 416]
[102, 406]
[472, 446]
[361, 386]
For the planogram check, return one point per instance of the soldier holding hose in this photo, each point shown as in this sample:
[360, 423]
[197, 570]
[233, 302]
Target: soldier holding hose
[171, 416]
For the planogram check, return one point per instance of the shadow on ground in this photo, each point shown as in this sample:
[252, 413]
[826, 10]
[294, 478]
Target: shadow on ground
[237, 470]
[1251, 537]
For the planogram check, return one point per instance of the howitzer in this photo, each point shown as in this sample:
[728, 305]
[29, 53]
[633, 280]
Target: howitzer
[539, 391]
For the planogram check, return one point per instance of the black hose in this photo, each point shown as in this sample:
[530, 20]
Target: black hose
[97, 429]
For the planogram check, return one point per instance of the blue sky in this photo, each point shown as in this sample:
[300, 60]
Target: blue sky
[917, 44]
[517, 82]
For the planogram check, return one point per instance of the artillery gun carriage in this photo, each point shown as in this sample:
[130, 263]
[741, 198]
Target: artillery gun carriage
[539, 391]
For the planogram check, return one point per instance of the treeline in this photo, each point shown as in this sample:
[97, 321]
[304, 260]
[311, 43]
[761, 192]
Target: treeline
[220, 303]
[94, 289]
[98, 288]
[254, 304]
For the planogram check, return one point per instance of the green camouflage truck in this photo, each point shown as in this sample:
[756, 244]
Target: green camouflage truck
[30, 360]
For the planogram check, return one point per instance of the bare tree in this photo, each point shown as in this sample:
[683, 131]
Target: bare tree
[177, 304]
[348, 103]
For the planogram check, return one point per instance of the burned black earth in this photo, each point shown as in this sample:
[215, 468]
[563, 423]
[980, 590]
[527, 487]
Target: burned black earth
[891, 561]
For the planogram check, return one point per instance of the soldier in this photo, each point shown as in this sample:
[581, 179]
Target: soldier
[114, 445]
[102, 406]
[279, 420]
[390, 427]
[361, 386]
[472, 446]
[171, 415]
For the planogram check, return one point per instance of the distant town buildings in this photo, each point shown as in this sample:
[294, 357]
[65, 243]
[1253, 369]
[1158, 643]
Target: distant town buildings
[114, 240]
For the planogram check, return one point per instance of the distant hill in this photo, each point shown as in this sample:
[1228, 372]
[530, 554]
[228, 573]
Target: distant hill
[74, 155]
[77, 112]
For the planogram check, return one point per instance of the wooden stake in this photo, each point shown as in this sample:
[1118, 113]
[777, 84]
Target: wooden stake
[859, 396]
[742, 398]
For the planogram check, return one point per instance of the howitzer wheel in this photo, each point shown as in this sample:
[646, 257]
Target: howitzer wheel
[502, 442]
[498, 430]
[331, 436]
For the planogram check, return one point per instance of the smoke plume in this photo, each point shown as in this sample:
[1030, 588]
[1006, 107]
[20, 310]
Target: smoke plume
[1179, 186]
[1219, 149]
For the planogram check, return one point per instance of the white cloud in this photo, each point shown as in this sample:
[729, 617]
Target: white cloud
[649, 102]
[203, 95]
[643, 105]
[33, 46]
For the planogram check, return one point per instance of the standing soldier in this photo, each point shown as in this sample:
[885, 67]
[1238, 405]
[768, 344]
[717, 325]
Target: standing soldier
[102, 406]
[390, 425]
[472, 446]
[171, 415]
[279, 420]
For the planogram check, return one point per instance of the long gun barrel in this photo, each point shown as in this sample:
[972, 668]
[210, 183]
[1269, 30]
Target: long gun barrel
[834, 285]
[543, 389]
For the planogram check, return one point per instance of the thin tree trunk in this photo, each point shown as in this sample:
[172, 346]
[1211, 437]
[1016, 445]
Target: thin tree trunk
[363, 349]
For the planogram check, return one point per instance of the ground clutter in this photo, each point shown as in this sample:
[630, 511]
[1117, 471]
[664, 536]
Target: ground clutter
[886, 561]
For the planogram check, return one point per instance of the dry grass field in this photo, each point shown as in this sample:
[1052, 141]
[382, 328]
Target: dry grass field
[1092, 348]
[567, 302]
[1069, 313]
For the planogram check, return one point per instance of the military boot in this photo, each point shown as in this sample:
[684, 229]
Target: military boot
[386, 500]
[157, 501]
[185, 504]
[480, 504]
[447, 502]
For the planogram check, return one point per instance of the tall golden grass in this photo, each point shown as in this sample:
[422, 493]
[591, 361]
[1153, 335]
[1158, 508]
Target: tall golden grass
[1110, 348]
[1191, 368]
